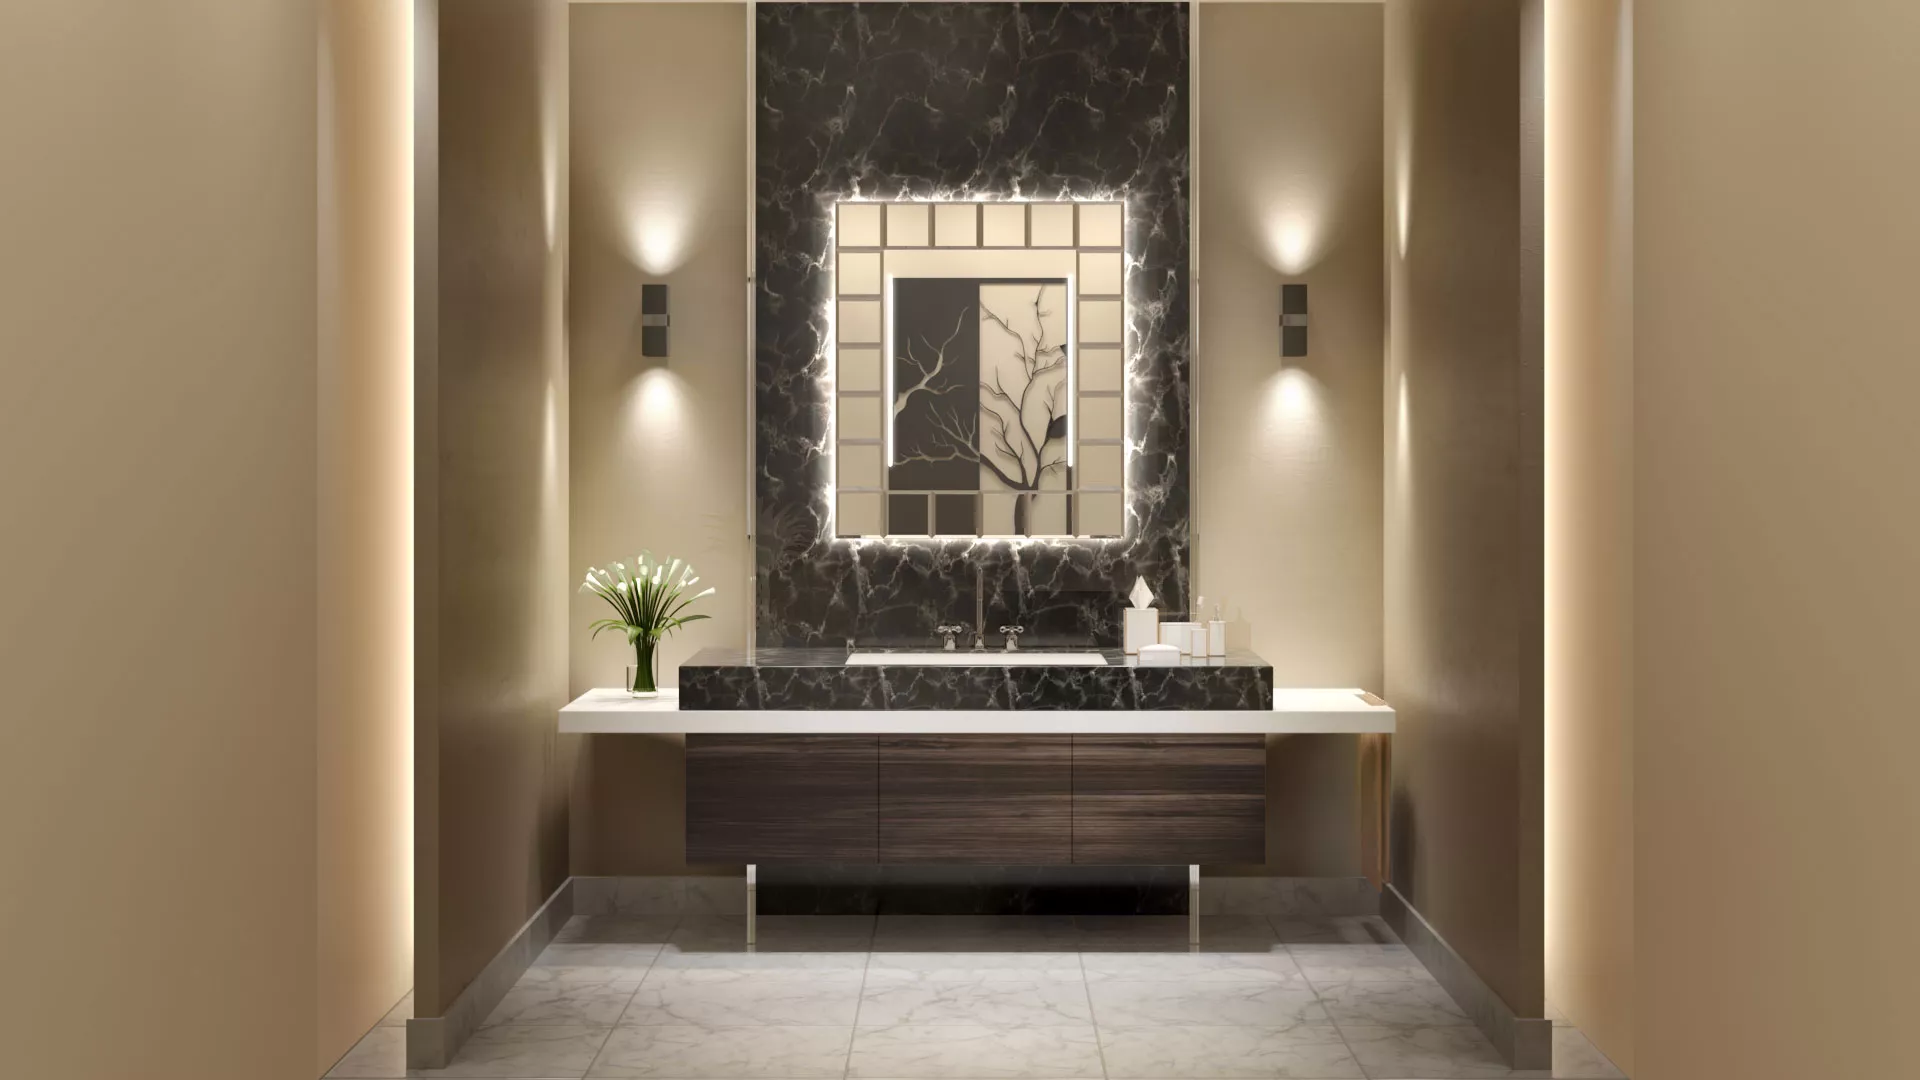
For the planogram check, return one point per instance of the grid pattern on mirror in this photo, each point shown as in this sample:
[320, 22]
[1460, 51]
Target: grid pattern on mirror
[1078, 243]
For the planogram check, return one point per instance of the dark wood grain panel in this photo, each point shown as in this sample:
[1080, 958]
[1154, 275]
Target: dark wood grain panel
[782, 798]
[1169, 799]
[976, 799]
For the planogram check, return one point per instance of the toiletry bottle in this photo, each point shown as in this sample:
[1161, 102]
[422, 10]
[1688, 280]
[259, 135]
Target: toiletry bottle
[1217, 634]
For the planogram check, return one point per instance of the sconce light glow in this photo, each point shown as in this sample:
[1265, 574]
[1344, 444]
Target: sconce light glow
[1293, 245]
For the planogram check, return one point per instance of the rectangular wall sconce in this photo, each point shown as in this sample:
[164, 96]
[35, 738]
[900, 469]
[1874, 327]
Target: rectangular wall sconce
[653, 320]
[1293, 320]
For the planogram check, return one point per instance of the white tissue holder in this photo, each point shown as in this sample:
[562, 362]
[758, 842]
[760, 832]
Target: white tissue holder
[1141, 628]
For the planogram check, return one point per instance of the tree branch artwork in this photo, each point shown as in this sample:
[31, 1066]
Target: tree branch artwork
[1018, 430]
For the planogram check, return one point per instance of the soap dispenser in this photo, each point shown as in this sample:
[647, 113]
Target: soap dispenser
[1217, 634]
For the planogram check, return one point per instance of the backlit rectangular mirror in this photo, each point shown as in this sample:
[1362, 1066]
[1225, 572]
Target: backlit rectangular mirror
[980, 369]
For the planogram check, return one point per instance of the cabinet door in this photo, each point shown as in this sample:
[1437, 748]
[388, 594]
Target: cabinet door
[782, 798]
[1162, 800]
[976, 799]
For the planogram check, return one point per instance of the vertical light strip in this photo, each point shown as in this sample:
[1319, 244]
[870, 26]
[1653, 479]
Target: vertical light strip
[749, 592]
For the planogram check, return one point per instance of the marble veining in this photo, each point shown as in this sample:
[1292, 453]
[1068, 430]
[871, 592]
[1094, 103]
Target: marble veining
[975, 101]
[820, 679]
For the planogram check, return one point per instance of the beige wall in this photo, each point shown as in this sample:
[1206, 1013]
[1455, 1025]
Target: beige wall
[1589, 521]
[659, 114]
[1287, 474]
[491, 427]
[364, 738]
[157, 519]
[1775, 529]
[1463, 398]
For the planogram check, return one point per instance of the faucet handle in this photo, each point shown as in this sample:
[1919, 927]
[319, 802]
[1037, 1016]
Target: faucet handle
[947, 631]
[1013, 636]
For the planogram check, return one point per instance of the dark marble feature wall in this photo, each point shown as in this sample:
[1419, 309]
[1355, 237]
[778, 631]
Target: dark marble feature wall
[964, 100]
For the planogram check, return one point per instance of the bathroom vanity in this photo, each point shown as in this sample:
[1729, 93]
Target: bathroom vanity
[818, 756]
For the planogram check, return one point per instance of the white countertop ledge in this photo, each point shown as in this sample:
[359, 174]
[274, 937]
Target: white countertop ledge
[1294, 712]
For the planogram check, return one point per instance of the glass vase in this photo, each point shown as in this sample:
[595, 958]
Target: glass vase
[643, 675]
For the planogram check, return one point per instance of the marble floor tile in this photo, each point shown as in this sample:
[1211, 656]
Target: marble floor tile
[381, 1055]
[398, 1015]
[992, 998]
[1392, 1004]
[1334, 930]
[617, 929]
[673, 958]
[608, 958]
[924, 1052]
[688, 1052]
[1157, 1003]
[1193, 967]
[1175, 932]
[981, 965]
[773, 933]
[520, 1050]
[567, 995]
[1329, 964]
[1576, 1058]
[1312, 1050]
[727, 997]
[1431, 1053]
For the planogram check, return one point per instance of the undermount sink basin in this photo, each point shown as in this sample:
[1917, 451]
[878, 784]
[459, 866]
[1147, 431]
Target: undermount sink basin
[977, 659]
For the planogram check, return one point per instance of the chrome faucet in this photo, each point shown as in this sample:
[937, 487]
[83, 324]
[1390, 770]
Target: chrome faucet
[947, 631]
[1013, 636]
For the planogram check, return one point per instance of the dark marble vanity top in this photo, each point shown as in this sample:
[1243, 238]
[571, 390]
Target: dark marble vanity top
[821, 678]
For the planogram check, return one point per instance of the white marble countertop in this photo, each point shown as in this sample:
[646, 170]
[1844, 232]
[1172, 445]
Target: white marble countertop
[1294, 712]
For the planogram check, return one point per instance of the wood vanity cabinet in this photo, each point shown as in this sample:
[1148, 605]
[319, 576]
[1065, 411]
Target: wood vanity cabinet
[1168, 799]
[976, 799]
[782, 798]
[1034, 800]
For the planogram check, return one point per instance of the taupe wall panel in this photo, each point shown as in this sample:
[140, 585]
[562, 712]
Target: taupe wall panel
[1462, 404]
[1589, 527]
[492, 449]
[659, 181]
[1776, 521]
[364, 737]
[158, 477]
[1287, 479]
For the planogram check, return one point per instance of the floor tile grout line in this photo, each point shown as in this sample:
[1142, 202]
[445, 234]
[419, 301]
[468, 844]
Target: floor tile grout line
[601, 1050]
[853, 1034]
[1315, 987]
[1093, 1018]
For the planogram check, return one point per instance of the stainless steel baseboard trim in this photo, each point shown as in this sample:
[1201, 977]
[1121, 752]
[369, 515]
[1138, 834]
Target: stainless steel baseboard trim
[433, 1040]
[1525, 1041]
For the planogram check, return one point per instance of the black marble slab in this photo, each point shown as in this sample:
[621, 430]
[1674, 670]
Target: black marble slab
[816, 678]
[971, 101]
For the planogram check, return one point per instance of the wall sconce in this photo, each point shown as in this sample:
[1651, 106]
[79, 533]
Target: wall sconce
[653, 320]
[1293, 320]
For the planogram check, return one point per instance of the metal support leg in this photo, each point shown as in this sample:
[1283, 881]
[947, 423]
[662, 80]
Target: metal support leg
[1193, 904]
[753, 901]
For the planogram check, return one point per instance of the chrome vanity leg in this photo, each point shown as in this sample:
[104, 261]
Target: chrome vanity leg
[753, 900]
[1193, 904]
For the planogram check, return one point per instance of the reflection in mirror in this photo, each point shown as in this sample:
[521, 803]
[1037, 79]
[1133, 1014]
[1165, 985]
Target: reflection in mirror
[980, 369]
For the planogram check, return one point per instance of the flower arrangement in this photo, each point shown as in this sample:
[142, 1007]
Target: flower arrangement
[648, 603]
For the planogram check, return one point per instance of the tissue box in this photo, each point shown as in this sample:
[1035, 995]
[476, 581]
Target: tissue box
[1142, 628]
[1159, 656]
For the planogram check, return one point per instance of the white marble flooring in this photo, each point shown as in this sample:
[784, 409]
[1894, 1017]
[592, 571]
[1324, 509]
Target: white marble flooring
[973, 998]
